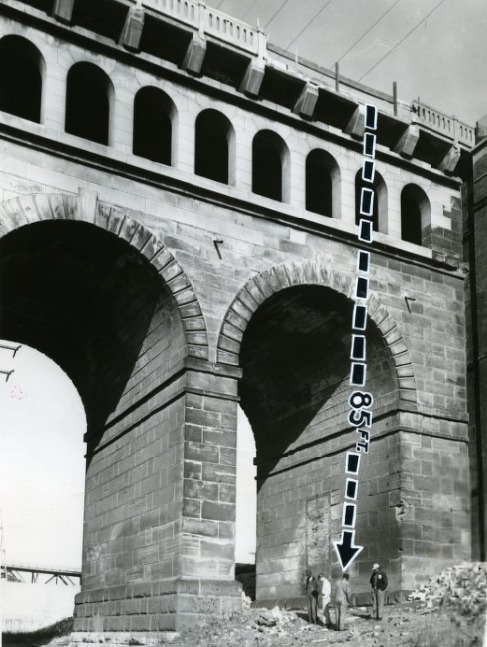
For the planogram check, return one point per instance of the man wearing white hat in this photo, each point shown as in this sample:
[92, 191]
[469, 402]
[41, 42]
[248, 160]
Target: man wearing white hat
[378, 581]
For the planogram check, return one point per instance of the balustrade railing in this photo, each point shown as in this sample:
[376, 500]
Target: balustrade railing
[212, 22]
[220, 26]
[448, 126]
[186, 11]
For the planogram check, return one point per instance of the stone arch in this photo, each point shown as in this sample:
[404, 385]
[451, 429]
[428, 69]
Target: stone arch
[270, 166]
[89, 103]
[279, 277]
[154, 125]
[25, 210]
[322, 184]
[415, 215]
[22, 72]
[214, 146]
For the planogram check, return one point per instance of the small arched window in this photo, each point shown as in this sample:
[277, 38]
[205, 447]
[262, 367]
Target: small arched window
[379, 211]
[153, 119]
[322, 184]
[415, 215]
[89, 94]
[214, 147]
[21, 72]
[270, 166]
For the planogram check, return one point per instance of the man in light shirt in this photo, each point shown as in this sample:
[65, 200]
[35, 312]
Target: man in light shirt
[324, 598]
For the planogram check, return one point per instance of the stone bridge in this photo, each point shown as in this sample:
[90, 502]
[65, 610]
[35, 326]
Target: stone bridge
[178, 233]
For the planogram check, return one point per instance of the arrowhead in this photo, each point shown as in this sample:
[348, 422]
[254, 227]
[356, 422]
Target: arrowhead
[346, 549]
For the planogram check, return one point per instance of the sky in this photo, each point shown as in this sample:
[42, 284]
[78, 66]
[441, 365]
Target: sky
[41, 461]
[443, 60]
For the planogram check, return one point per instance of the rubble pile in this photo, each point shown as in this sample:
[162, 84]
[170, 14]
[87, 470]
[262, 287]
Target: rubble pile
[279, 620]
[462, 587]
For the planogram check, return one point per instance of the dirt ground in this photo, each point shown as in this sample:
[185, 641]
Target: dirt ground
[406, 625]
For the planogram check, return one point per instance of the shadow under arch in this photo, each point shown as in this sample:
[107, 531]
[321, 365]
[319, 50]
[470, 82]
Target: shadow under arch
[101, 296]
[264, 285]
[295, 362]
[18, 212]
[93, 305]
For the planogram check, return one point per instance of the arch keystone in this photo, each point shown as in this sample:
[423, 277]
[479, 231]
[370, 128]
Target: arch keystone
[88, 204]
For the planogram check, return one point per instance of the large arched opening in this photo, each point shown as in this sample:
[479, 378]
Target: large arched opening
[96, 306]
[294, 352]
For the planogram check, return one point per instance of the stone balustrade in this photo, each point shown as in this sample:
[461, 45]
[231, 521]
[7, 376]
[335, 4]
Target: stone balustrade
[448, 126]
[209, 21]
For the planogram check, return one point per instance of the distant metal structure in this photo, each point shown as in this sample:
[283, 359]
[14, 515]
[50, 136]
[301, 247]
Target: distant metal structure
[14, 573]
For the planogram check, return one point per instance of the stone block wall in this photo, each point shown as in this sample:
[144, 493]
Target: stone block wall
[160, 503]
[132, 534]
[204, 514]
[435, 515]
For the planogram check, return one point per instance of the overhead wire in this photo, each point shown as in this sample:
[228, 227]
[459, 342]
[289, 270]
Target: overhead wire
[219, 4]
[308, 24]
[368, 31]
[402, 39]
[283, 4]
[250, 9]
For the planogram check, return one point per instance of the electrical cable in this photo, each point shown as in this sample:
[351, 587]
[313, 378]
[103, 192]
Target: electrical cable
[368, 31]
[250, 9]
[283, 4]
[402, 40]
[309, 23]
[219, 4]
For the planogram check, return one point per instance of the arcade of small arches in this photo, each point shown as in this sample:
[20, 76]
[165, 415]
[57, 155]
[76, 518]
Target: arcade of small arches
[89, 101]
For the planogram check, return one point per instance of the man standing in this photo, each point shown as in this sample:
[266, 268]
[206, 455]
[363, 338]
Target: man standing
[378, 581]
[311, 588]
[324, 598]
[343, 597]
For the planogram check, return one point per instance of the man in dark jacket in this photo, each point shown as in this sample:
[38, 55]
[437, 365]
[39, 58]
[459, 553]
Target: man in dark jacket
[378, 582]
[311, 587]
